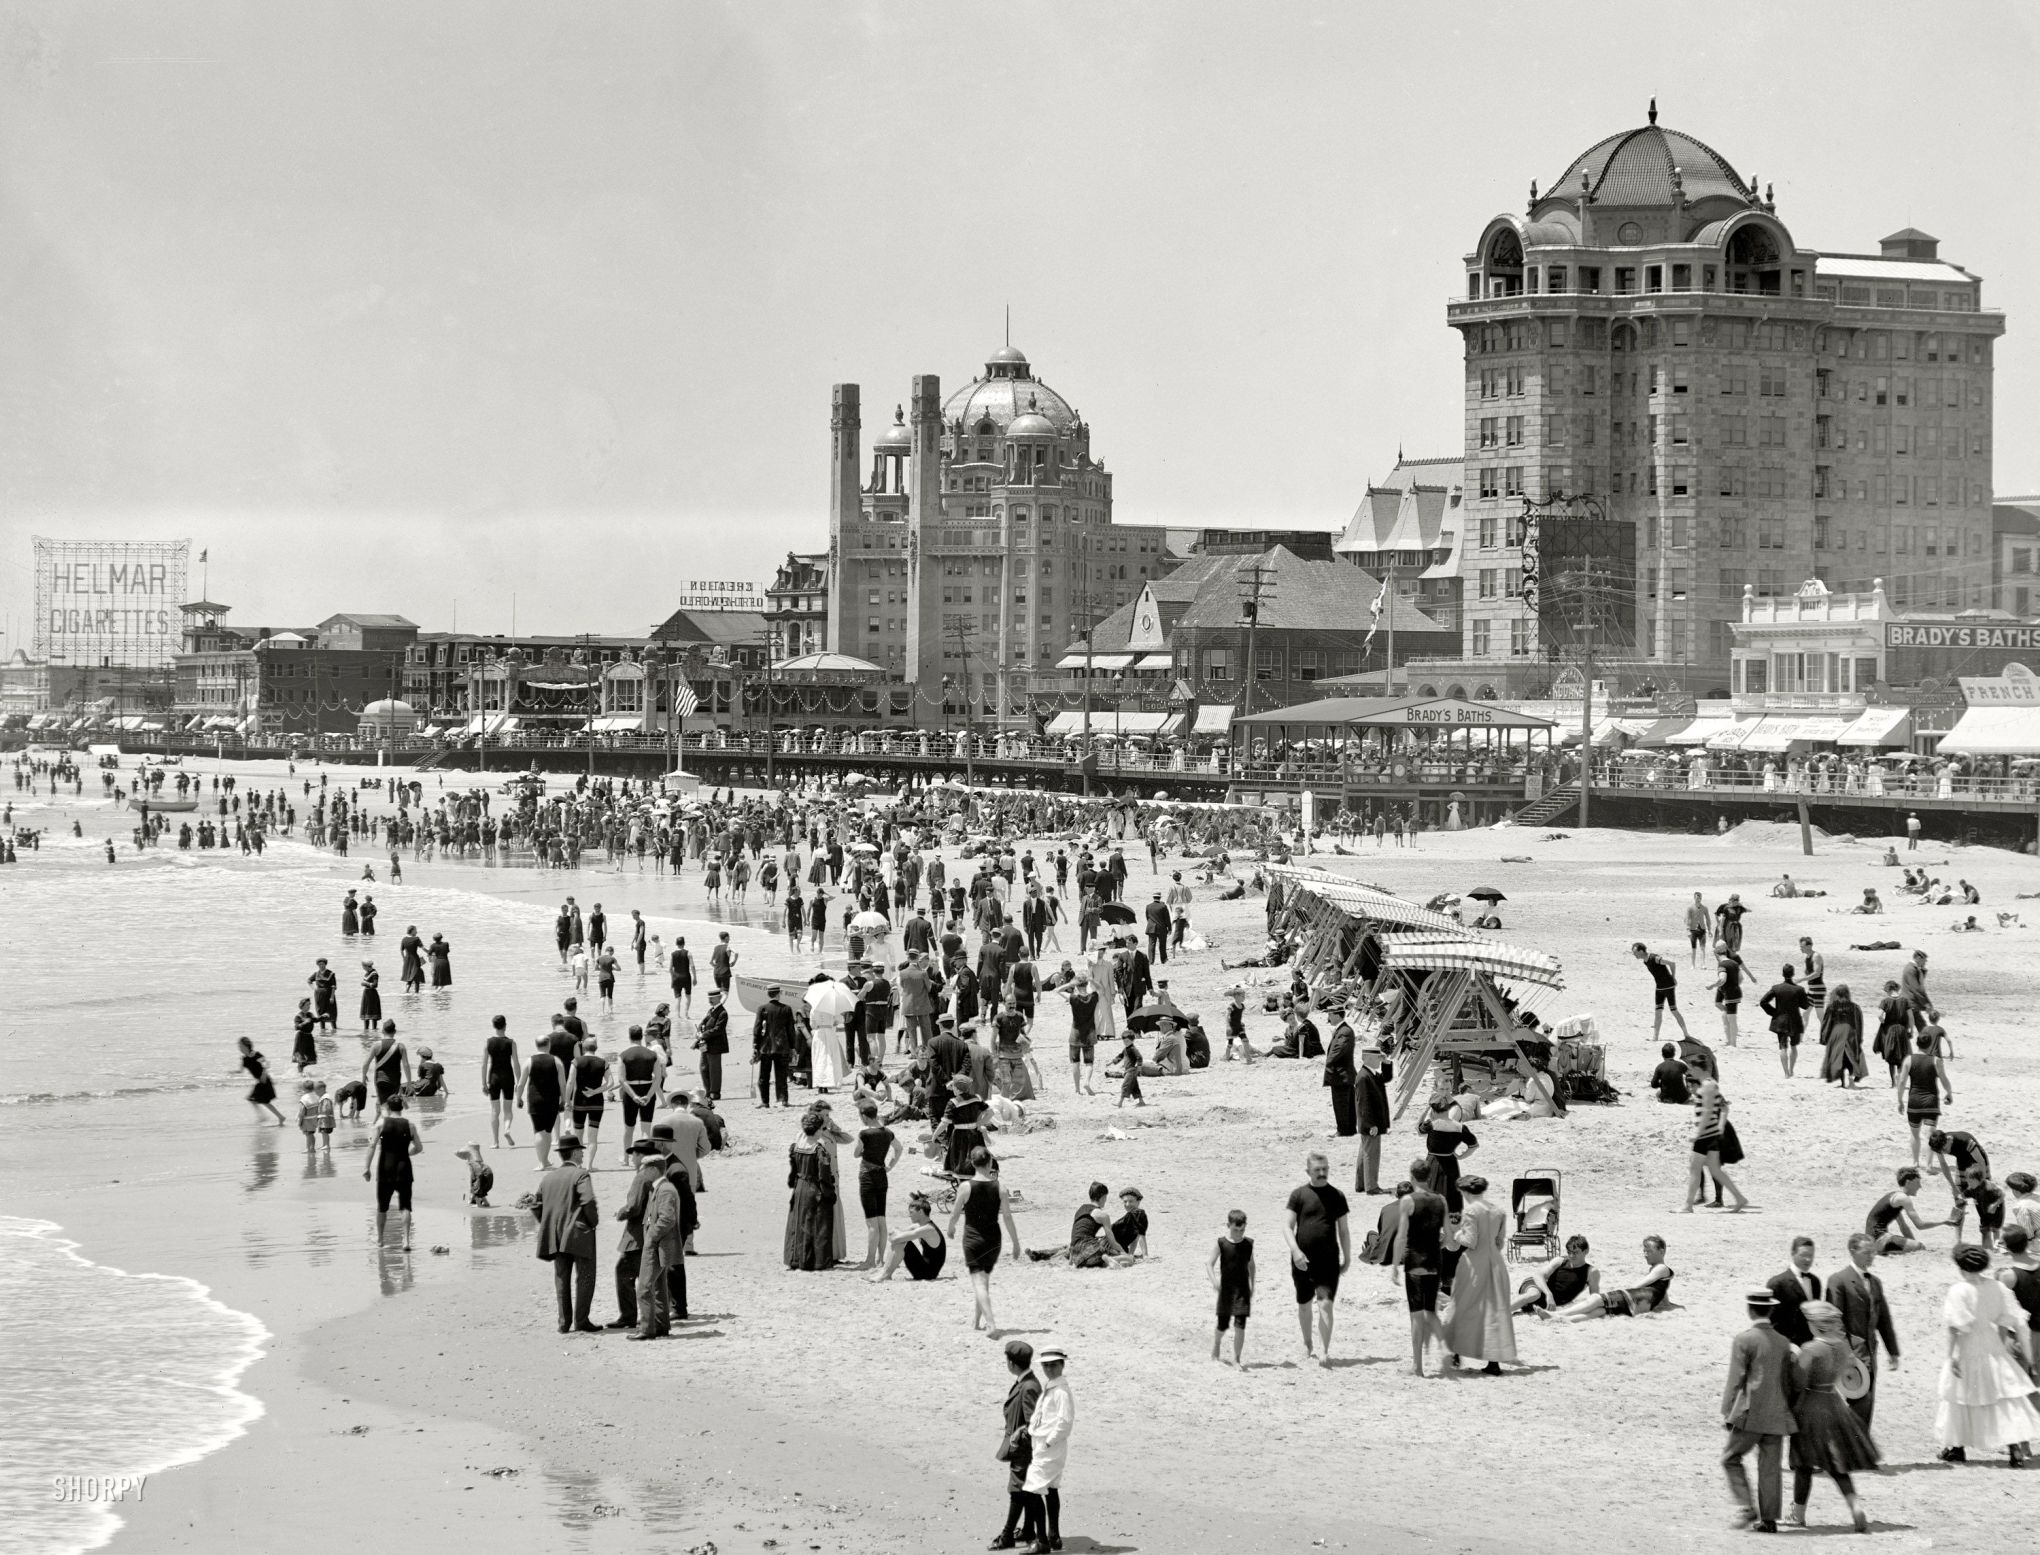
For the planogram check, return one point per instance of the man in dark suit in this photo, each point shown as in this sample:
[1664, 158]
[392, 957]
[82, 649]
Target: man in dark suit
[772, 1047]
[567, 1218]
[947, 1055]
[713, 1039]
[1341, 1077]
[1866, 1316]
[1793, 1289]
[1756, 1409]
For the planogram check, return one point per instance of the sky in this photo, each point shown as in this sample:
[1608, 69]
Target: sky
[465, 308]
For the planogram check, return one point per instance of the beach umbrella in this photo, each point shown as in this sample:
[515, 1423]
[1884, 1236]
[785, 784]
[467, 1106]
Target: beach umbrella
[1115, 912]
[1486, 893]
[871, 923]
[1697, 1055]
[830, 998]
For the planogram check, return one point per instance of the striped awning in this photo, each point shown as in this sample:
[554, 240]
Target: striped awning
[1366, 901]
[1409, 951]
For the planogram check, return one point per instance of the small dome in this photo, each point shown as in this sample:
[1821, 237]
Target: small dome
[895, 438]
[1030, 424]
[385, 708]
[1007, 354]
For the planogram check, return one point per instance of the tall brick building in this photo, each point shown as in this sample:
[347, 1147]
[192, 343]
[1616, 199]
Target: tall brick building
[1651, 333]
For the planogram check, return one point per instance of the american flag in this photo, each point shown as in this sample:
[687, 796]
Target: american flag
[1374, 621]
[684, 700]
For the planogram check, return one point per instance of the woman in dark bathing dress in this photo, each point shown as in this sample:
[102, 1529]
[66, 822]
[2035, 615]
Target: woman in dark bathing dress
[878, 1150]
[350, 921]
[440, 954]
[371, 996]
[981, 1207]
[262, 1096]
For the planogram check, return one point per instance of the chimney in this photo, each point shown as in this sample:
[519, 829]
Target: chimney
[924, 516]
[846, 506]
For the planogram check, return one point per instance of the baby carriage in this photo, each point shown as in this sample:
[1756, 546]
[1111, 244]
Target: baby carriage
[1533, 1202]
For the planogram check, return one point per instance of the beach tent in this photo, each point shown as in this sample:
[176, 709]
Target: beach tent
[1360, 942]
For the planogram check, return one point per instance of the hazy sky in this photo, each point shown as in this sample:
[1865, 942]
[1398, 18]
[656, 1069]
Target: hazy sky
[402, 306]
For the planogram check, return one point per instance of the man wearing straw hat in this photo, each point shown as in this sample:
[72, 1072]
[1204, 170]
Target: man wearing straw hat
[1048, 1431]
[1756, 1411]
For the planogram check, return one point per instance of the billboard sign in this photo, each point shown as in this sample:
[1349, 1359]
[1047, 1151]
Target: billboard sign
[109, 602]
[721, 594]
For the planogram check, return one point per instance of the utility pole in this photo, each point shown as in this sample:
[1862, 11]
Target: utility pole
[1257, 584]
[1586, 708]
[771, 738]
[970, 707]
[1084, 761]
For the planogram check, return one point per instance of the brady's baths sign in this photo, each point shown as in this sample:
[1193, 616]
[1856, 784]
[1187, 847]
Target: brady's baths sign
[1960, 634]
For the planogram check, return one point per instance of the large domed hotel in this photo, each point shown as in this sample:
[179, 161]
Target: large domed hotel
[1650, 332]
[978, 540]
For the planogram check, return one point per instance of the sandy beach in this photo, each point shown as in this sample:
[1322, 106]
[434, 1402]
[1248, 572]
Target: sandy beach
[428, 1398]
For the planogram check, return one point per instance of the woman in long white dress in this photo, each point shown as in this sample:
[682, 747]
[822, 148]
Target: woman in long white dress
[825, 1033]
[1482, 1326]
[1986, 1396]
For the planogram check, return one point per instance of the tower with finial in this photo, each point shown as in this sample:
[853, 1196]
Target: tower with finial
[1533, 194]
[1653, 110]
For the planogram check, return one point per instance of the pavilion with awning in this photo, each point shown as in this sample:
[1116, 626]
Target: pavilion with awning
[1994, 731]
[1391, 722]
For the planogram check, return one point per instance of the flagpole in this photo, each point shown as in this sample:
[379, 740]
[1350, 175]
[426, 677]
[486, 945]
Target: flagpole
[1388, 595]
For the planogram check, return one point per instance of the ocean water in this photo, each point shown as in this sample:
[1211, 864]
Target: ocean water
[125, 1136]
[154, 1386]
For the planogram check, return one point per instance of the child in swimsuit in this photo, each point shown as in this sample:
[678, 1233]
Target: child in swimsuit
[308, 1114]
[325, 1119]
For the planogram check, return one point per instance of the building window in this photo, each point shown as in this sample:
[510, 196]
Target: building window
[1218, 664]
[1487, 432]
[1480, 639]
[1487, 583]
[1625, 278]
[1268, 664]
[1487, 530]
[1515, 431]
[1519, 638]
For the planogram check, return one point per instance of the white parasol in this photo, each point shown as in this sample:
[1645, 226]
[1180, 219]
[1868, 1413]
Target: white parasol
[869, 922]
[830, 998]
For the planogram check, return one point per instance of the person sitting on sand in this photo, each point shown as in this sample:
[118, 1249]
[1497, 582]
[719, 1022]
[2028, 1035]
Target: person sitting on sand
[921, 1248]
[1870, 906]
[1970, 894]
[1559, 1283]
[1091, 1244]
[1785, 888]
[1648, 1295]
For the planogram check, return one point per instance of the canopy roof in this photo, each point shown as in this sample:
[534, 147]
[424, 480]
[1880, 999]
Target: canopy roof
[1400, 712]
[1510, 961]
[1994, 731]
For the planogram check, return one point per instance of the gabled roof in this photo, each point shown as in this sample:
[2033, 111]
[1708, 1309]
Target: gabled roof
[730, 628]
[384, 622]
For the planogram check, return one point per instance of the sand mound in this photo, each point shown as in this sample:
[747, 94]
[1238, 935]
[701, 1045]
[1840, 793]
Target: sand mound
[1776, 834]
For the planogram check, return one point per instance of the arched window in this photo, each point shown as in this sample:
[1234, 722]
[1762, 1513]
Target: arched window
[1456, 691]
[1427, 691]
[1484, 694]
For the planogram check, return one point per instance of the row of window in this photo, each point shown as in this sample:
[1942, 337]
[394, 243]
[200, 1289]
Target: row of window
[1729, 334]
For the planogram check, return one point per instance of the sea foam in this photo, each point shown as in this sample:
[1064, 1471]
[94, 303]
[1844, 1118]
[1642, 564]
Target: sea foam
[108, 1375]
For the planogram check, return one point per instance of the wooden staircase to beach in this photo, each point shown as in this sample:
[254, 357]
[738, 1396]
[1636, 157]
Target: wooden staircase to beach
[1542, 812]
